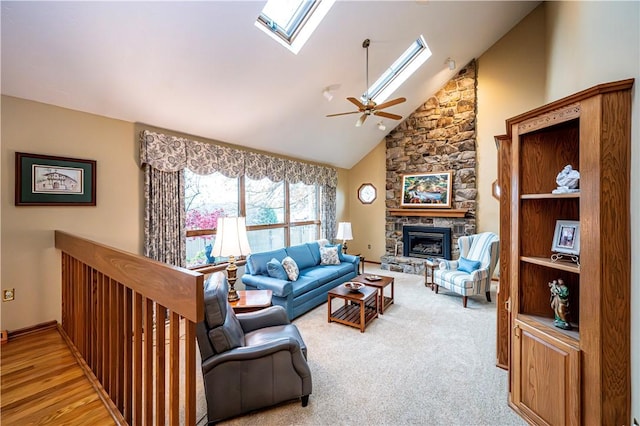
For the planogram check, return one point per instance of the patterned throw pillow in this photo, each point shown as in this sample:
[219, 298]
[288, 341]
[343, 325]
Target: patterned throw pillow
[291, 268]
[329, 255]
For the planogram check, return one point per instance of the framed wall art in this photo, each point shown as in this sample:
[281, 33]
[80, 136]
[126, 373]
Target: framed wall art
[427, 190]
[44, 180]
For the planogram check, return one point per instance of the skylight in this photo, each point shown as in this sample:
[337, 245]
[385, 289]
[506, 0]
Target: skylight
[291, 22]
[399, 71]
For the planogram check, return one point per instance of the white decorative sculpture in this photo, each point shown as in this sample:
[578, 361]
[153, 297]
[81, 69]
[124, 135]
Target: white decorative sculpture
[567, 180]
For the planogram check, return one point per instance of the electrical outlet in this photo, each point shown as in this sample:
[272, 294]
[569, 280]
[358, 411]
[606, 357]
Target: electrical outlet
[8, 294]
[369, 246]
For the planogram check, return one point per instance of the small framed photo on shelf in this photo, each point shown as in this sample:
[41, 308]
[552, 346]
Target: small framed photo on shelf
[44, 180]
[427, 190]
[566, 238]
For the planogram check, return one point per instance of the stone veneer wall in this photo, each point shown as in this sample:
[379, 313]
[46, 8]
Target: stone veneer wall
[438, 136]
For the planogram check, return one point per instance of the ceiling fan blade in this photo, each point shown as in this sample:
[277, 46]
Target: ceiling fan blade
[391, 103]
[357, 103]
[343, 113]
[361, 120]
[387, 115]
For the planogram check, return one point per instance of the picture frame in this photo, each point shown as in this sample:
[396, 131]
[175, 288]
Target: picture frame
[45, 180]
[427, 190]
[566, 237]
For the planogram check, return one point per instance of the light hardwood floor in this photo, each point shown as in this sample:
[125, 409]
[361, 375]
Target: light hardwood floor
[41, 383]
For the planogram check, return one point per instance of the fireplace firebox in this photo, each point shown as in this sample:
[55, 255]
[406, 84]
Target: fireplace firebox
[426, 242]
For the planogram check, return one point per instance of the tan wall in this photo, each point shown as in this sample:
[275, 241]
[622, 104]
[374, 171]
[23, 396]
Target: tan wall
[368, 220]
[510, 82]
[342, 198]
[30, 263]
[591, 43]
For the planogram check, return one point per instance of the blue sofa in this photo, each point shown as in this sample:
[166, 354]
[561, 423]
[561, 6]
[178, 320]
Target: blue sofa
[313, 283]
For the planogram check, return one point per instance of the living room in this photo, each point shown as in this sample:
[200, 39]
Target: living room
[558, 49]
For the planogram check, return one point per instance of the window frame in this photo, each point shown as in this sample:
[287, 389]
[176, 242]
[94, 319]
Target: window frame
[286, 225]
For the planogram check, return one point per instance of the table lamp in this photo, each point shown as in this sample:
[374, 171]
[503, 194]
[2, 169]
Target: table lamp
[344, 234]
[231, 241]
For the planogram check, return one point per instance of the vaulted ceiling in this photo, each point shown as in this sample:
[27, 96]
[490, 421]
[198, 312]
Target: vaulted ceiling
[203, 68]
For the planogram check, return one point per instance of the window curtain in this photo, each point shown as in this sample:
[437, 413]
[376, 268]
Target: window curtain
[164, 215]
[164, 233]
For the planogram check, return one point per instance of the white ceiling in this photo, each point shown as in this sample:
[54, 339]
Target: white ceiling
[202, 68]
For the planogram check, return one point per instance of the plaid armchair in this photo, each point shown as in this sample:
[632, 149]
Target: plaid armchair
[471, 274]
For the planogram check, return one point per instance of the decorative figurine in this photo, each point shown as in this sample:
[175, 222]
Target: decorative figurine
[567, 180]
[560, 303]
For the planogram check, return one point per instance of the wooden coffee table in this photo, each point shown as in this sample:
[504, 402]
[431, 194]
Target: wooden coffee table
[379, 285]
[359, 308]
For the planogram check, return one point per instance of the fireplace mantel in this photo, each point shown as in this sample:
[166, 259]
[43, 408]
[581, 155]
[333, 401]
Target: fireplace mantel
[429, 212]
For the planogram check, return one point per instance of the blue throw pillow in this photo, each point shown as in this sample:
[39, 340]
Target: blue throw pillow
[276, 270]
[467, 265]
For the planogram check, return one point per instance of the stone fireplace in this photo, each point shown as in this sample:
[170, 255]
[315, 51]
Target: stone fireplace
[426, 242]
[439, 136]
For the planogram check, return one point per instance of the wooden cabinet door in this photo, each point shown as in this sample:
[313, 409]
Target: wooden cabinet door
[546, 377]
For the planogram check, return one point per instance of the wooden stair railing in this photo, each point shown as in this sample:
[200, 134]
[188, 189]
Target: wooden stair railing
[115, 307]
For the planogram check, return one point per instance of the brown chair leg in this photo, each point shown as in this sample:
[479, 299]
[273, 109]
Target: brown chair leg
[488, 296]
[437, 287]
[305, 400]
[464, 301]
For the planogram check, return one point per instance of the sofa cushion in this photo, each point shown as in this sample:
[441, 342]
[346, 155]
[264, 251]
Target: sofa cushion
[291, 267]
[322, 274]
[468, 266]
[304, 284]
[257, 262]
[329, 256]
[314, 248]
[276, 270]
[302, 255]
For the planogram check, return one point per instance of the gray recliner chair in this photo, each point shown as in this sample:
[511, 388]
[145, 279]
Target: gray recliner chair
[251, 360]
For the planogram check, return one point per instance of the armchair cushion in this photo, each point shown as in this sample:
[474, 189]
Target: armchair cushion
[268, 317]
[225, 331]
[276, 270]
[467, 265]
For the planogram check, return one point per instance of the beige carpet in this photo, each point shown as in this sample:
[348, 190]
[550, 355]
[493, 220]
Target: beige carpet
[426, 361]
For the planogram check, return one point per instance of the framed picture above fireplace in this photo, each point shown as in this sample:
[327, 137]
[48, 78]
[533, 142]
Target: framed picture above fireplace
[426, 190]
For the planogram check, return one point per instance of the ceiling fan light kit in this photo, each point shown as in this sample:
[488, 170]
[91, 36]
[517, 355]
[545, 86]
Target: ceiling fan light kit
[370, 107]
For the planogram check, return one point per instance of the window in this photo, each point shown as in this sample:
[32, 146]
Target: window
[206, 199]
[264, 201]
[399, 71]
[291, 22]
[278, 214]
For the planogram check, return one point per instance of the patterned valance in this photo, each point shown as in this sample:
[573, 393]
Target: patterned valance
[171, 153]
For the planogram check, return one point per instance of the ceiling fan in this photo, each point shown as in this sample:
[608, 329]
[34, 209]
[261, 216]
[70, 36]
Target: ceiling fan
[369, 107]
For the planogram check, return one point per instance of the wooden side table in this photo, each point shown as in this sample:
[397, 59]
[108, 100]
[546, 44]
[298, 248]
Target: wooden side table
[251, 300]
[380, 283]
[430, 266]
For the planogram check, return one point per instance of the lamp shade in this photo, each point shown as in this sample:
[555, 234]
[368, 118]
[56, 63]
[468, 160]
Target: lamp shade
[344, 231]
[231, 238]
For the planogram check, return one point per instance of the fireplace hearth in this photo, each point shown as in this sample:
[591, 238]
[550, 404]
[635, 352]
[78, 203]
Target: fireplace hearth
[426, 242]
